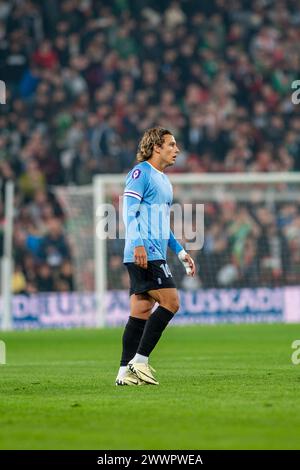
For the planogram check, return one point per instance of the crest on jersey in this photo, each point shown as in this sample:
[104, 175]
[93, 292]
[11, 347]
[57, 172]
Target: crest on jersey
[136, 174]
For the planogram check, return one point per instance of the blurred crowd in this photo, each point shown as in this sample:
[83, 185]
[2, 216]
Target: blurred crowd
[85, 78]
[257, 246]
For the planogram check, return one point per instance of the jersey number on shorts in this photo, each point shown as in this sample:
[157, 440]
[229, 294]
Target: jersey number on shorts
[166, 270]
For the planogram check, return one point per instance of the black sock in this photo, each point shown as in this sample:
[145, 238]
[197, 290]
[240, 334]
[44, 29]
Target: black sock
[153, 330]
[131, 338]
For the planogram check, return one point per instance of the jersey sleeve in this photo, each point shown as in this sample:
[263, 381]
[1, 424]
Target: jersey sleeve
[174, 244]
[135, 184]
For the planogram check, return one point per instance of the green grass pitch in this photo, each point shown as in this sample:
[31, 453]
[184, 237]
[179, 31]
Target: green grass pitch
[221, 387]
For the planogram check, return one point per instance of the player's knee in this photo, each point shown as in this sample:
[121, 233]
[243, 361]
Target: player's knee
[171, 304]
[140, 307]
[175, 306]
[141, 310]
[142, 314]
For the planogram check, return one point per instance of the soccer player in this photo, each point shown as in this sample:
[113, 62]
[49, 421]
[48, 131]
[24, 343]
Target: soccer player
[146, 211]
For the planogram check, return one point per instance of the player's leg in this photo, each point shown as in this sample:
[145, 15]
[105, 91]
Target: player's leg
[168, 301]
[140, 310]
[167, 298]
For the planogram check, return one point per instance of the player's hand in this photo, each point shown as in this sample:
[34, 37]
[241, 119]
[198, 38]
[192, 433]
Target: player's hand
[140, 257]
[187, 262]
[190, 260]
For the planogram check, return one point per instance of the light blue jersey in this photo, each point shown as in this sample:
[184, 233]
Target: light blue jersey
[147, 201]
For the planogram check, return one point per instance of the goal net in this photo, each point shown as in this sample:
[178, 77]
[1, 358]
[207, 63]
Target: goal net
[251, 231]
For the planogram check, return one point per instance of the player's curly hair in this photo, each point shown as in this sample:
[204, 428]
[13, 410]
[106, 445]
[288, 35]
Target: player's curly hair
[153, 136]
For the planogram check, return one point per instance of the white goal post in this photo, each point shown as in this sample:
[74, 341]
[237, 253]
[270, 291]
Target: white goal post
[7, 259]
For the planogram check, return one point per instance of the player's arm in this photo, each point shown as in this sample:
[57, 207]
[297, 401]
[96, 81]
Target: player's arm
[134, 190]
[130, 209]
[184, 257]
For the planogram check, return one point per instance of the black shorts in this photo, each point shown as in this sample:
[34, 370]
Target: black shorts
[156, 276]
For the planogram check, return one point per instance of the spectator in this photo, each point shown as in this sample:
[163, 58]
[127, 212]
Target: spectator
[54, 249]
[44, 279]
